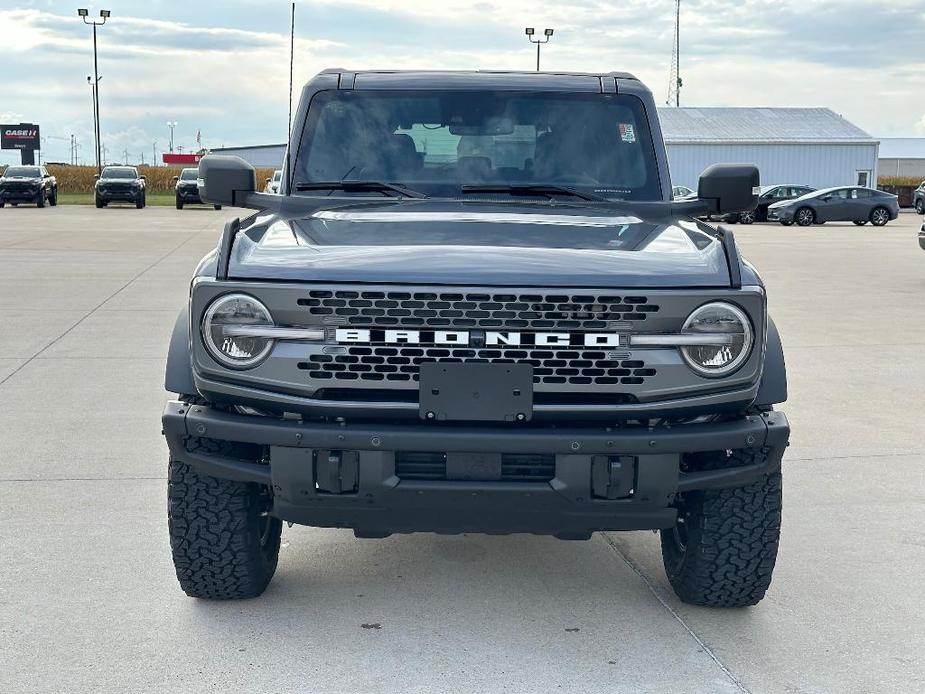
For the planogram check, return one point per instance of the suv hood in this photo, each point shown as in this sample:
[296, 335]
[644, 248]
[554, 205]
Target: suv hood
[431, 242]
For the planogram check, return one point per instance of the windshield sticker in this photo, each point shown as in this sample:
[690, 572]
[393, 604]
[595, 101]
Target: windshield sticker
[627, 132]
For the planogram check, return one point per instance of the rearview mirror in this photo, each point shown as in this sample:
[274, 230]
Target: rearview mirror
[225, 179]
[730, 187]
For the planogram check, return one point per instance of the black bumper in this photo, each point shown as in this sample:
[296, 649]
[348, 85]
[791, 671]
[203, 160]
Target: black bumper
[17, 196]
[120, 195]
[375, 501]
[190, 195]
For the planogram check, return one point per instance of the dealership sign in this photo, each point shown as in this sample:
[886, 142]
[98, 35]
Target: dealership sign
[21, 136]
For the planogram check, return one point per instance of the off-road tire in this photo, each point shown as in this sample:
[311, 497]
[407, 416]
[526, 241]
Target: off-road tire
[99, 203]
[53, 198]
[224, 545]
[40, 200]
[2, 205]
[217, 207]
[140, 203]
[179, 204]
[730, 544]
[802, 219]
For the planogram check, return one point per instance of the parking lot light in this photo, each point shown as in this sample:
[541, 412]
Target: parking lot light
[529, 31]
[83, 13]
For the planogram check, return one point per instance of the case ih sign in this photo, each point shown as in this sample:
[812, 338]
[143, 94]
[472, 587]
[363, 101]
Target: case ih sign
[21, 136]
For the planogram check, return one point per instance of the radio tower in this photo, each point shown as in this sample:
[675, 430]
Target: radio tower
[674, 72]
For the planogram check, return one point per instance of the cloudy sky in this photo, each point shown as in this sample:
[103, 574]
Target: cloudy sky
[222, 68]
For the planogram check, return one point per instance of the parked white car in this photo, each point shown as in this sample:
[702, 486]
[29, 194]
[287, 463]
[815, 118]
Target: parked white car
[273, 183]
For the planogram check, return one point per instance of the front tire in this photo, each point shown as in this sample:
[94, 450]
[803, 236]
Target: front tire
[920, 206]
[179, 204]
[40, 201]
[804, 217]
[140, 203]
[217, 207]
[225, 545]
[860, 222]
[723, 550]
[786, 224]
[53, 198]
[747, 217]
[879, 216]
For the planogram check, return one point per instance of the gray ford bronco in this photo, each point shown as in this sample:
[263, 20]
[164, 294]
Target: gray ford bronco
[475, 307]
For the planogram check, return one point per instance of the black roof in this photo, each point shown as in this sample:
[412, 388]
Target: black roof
[474, 79]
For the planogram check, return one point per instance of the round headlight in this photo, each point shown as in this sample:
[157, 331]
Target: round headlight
[727, 339]
[234, 311]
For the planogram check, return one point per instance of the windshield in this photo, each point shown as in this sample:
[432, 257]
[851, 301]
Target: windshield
[189, 174]
[437, 142]
[22, 172]
[119, 172]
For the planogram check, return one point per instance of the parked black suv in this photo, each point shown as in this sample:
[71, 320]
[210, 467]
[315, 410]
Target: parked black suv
[120, 184]
[768, 196]
[28, 184]
[475, 307]
[187, 191]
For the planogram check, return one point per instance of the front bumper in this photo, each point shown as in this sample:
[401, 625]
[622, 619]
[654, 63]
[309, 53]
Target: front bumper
[373, 498]
[20, 195]
[125, 194]
[782, 214]
[190, 194]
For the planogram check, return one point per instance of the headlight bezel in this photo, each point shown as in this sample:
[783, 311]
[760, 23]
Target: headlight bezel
[214, 351]
[735, 364]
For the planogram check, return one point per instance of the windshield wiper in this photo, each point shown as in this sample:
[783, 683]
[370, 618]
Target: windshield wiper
[360, 186]
[547, 189]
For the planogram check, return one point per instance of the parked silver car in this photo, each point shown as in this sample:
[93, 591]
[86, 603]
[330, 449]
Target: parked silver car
[844, 204]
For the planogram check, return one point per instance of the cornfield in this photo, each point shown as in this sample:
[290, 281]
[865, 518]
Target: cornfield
[158, 179]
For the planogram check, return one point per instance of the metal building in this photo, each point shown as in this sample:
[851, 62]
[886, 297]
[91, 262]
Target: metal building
[270, 156]
[810, 146]
[902, 157]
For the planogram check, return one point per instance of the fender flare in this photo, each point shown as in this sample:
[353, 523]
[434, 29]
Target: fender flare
[178, 376]
[773, 386]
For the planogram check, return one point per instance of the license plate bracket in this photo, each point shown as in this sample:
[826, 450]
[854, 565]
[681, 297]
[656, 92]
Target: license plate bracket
[476, 392]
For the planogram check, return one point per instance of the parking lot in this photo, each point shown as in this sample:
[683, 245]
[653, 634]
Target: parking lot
[88, 597]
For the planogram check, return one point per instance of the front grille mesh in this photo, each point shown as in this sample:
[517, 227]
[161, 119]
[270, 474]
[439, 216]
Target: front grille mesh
[550, 366]
[541, 311]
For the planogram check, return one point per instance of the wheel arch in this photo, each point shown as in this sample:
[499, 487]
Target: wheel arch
[178, 376]
[773, 386]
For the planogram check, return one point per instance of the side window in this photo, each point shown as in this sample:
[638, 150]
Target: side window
[841, 194]
[861, 193]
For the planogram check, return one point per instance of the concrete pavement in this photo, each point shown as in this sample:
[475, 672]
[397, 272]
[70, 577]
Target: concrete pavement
[88, 600]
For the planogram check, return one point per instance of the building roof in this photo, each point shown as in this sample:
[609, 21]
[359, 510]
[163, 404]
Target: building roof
[758, 126]
[902, 148]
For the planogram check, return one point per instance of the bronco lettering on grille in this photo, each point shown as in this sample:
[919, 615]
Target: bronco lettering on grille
[465, 338]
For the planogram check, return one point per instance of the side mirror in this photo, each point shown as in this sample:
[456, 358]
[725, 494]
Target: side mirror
[142, 178]
[268, 179]
[730, 187]
[225, 180]
[96, 176]
[176, 178]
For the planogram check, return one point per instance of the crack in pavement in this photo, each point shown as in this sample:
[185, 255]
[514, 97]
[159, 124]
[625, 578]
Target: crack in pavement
[700, 642]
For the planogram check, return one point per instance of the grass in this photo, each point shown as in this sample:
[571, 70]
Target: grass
[87, 199]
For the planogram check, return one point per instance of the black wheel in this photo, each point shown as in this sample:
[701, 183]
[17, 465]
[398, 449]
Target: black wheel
[723, 549]
[99, 203]
[747, 217]
[920, 206]
[860, 222]
[225, 545]
[40, 201]
[879, 216]
[179, 204]
[2, 205]
[217, 207]
[53, 198]
[804, 216]
[140, 203]
[786, 224]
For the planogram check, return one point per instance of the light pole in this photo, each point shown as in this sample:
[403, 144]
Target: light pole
[539, 42]
[171, 125]
[104, 15]
[154, 153]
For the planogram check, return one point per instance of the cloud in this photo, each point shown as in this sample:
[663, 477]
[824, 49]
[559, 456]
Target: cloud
[225, 72]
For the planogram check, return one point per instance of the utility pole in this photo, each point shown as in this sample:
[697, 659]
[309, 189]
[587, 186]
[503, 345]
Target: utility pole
[674, 71]
[291, 60]
[104, 15]
[539, 42]
[171, 125]
[154, 153]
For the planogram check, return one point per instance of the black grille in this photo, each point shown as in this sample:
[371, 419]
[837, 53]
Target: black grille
[515, 467]
[550, 366]
[483, 310]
